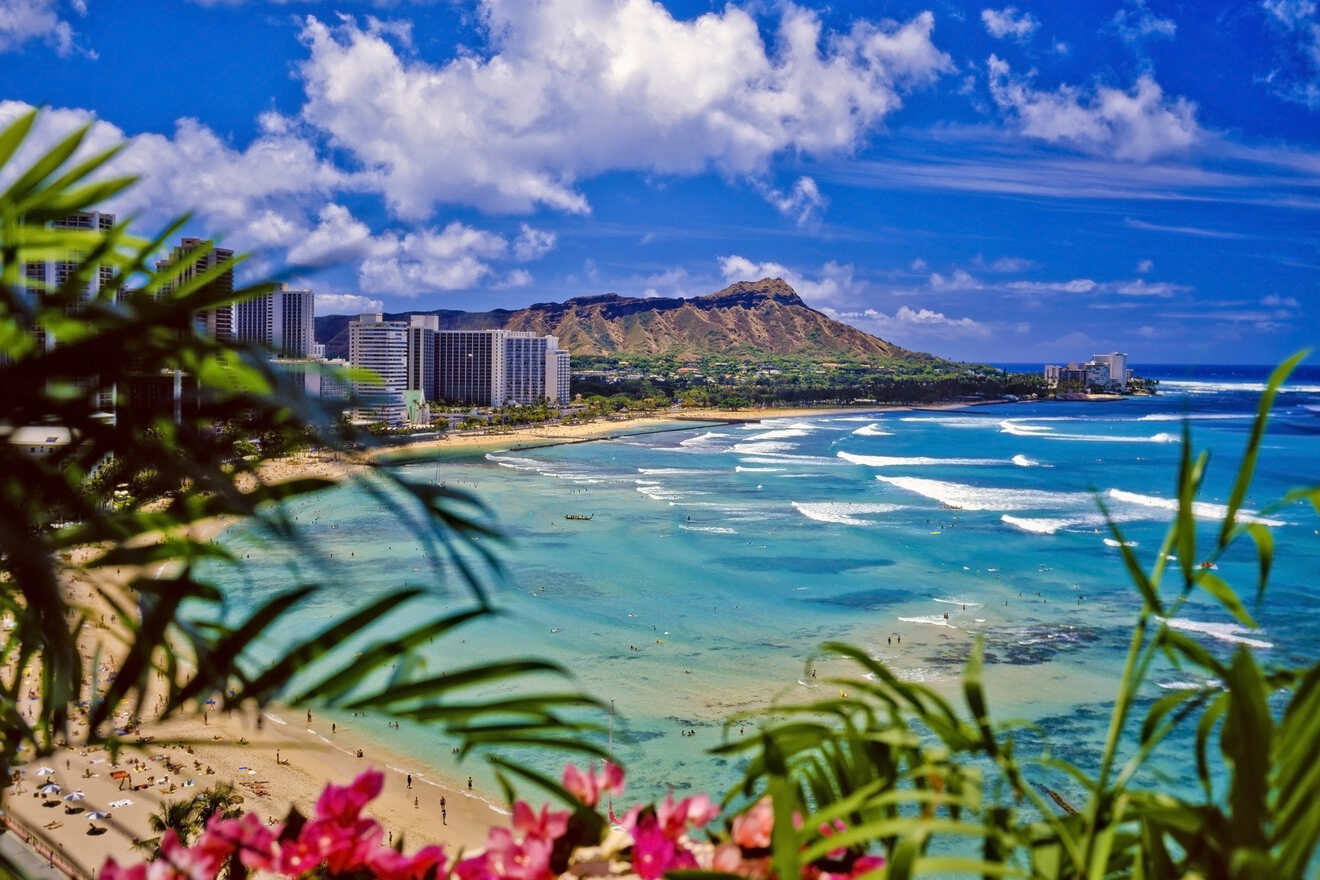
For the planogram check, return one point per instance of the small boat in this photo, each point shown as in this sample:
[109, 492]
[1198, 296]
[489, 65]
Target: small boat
[585, 517]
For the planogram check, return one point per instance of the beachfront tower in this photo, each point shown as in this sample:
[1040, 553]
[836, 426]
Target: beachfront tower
[1117, 366]
[422, 333]
[283, 320]
[557, 372]
[382, 347]
[218, 322]
[470, 366]
[524, 366]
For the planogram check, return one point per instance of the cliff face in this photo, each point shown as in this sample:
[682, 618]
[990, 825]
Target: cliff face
[746, 319]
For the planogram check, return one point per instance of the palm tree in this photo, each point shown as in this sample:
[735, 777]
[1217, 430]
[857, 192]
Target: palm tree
[187, 818]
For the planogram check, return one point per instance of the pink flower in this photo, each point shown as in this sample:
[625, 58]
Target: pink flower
[345, 802]
[387, 864]
[506, 859]
[198, 863]
[548, 825]
[253, 840]
[753, 828]
[112, 871]
[589, 786]
[674, 818]
[866, 863]
[654, 852]
[728, 858]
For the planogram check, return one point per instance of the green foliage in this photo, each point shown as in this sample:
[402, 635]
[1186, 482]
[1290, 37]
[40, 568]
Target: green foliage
[916, 779]
[162, 470]
[188, 817]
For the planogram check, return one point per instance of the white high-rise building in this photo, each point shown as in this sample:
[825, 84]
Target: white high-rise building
[1117, 365]
[524, 366]
[557, 373]
[283, 320]
[382, 347]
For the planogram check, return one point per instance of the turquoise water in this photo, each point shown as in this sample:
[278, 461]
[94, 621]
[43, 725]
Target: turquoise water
[719, 558]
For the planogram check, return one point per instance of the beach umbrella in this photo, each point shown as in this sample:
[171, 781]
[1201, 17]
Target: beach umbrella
[45, 771]
[74, 796]
[98, 815]
[49, 789]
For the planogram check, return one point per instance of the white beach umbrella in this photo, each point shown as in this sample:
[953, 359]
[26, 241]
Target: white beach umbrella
[97, 815]
[74, 796]
[45, 771]
[49, 789]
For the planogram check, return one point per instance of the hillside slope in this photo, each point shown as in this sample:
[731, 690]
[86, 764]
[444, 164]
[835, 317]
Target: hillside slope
[746, 319]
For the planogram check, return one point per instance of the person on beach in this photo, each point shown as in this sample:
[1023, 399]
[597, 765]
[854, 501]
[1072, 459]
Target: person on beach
[469, 783]
[410, 780]
[416, 803]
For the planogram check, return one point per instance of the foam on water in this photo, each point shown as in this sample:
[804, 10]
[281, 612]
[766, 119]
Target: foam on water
[778, 434]
[1027, 427]
[709, 438]
[959, 602]
[1114, 542]
[932, 619]
[1200, 509]
[739, 469]
[954, 421]
[1227, 632]
[674, 471]
[1023, 461]
[1190, 386]
[966, 497]
[873, 430]
[1205, 417]
[843, 513]
[913, 460]
[1038, 525]
[713, 530]
[514, 462]
[763, 447]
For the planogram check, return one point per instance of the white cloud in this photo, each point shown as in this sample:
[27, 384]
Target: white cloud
[1140, 287]
[803, 203]
[1076, 285]
[959, 280]
[1144, 266]
[1273, 300]
[532, 244]
[1300, 81]
[258, 191]
[1005, 265]
[515, 278]
[574, 88]
[834, 283]
[346, 304]
[918, 265]
[1008, 22]
[412, 263]
[338, 237]
[1197, 231]
[1137, 126]
[24, 20]
[907, 323]
[1137, 23]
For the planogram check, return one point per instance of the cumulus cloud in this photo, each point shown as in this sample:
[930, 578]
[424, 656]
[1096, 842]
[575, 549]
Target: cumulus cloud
[835, 281]
[338, 237]
[346, 304]
[1137, 125]
[802, 203]
[1008, 22]
[412, 263]
[22, 21]
[1136, 22]
[1075, 285]
[1144, 266]
[574, 88]
[532, 244]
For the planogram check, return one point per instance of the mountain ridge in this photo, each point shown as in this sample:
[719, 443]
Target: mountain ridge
[747, 318]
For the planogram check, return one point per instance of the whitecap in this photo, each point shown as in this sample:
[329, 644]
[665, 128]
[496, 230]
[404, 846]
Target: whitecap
[1214, 387]
[1200, 509]
[932, 619]
[1114, 542]
[739, 469]
[675, 471]
[705, 439]
[953, 421]
[714, 530]
[763, 447]
[777, 434]
[961, 495]
[1178, 417]
[1037, 525]
[1228, 632]
[873, 430]
[842, 512]
[913, 460]
[1026, 427]
[962, 602]
[1023, 461]
[1188, 685]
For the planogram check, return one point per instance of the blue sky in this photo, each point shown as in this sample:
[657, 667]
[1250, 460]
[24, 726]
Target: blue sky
[1007, 183]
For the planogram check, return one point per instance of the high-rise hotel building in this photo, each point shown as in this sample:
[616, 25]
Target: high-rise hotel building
[217, 322]
[282, 320]
[470, 366]
[382, 347]
[422, 375]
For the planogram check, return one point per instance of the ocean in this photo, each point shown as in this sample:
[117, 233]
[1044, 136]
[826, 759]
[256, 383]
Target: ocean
[719, 557]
